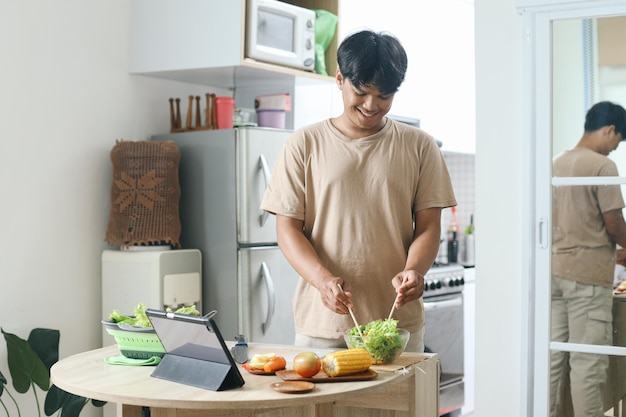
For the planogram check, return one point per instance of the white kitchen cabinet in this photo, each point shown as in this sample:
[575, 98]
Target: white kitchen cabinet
[202, 42]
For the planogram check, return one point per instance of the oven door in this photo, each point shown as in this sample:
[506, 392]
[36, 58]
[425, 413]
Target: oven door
[443, 335]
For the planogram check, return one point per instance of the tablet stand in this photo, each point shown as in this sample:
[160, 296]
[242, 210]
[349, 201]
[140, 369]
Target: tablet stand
[196, 372]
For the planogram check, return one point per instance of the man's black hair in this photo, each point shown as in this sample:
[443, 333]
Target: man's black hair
[373, 59]
[606, 113]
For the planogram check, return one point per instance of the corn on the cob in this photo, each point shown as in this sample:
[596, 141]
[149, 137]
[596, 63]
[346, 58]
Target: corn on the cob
[345, 362]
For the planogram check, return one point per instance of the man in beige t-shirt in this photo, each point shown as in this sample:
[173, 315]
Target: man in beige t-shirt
[358, 202]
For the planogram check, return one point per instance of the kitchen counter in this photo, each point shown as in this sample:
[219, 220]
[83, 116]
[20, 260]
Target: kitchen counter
[410, 393]
[469, 274]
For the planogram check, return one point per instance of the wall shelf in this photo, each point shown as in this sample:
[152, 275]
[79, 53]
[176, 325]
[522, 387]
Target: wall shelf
[204, 42]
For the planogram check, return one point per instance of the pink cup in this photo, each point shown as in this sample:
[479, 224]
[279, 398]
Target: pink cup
[225, 107]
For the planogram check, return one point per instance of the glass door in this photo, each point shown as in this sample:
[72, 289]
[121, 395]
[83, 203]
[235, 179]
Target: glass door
[563, 69]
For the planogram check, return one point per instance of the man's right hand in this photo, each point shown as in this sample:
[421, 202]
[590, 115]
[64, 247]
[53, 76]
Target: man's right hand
[337, 299]
[302, 257]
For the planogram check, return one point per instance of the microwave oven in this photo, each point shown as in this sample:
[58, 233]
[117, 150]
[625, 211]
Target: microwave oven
[281, 33]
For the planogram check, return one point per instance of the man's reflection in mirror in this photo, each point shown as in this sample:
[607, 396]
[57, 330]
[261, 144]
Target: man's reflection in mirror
[587, 225]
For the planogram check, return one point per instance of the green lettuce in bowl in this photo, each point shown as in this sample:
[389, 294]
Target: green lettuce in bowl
[140, 318]
[381, 338]
[134, 335]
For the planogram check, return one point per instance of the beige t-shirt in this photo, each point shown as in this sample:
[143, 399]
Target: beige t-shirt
[357, 199]
[582, 249]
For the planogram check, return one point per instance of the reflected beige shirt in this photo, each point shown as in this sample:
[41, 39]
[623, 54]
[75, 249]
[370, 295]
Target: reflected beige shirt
[582, 249]
[357, 199]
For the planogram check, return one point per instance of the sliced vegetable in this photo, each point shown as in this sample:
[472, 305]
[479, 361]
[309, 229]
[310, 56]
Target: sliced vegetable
[141, 319]
[189, 310]
[275, 364]
[258, 361]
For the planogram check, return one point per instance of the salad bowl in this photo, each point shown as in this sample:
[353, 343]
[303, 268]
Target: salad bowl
[384, 347]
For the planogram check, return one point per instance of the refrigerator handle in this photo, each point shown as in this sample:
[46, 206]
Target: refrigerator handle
[265, 169]
[271, 297]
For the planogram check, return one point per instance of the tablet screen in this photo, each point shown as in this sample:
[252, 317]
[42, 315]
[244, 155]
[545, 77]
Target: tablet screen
[190, 336]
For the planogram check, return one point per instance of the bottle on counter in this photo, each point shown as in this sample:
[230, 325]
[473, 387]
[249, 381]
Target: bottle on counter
[452, 238]
[453, 244]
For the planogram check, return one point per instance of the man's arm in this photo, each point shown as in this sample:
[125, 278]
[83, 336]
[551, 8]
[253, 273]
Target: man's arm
[303, 258]
[615, 226]
[422, 253]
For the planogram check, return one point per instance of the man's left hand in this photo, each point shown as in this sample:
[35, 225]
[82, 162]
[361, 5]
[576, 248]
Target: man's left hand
[409, 286]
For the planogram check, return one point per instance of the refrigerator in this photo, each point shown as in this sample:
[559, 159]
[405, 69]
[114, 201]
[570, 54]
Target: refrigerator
[245, 277]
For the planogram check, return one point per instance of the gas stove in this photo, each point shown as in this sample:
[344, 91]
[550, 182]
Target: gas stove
[444, 279]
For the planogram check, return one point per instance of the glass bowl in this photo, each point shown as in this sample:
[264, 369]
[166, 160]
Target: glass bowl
[384, 349]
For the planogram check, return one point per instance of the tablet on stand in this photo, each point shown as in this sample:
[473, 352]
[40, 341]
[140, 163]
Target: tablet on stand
[196, 353]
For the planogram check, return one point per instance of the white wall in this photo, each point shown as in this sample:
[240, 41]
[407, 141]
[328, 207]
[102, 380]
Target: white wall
[439, 86]
[66, 98]
[439, 40]
[568, 87]
[499, 176]
[613, 87]
[568, 80]
[568, 83]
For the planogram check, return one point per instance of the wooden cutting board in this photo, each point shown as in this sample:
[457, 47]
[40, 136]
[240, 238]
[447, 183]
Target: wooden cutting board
[405, 360]
[291, 375]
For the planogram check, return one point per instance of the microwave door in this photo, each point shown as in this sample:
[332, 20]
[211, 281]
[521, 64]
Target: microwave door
[257, 153]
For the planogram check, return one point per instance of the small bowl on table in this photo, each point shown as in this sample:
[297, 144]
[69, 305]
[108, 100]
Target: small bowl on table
[384, 349]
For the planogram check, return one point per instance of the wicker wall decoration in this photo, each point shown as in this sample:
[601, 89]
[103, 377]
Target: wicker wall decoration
[145, 194]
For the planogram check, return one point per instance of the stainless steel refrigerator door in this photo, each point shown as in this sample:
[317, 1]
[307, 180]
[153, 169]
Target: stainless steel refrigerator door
[257, 152]
[266, 286]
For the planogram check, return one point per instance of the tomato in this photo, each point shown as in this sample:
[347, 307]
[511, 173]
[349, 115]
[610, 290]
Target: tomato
[307, 364]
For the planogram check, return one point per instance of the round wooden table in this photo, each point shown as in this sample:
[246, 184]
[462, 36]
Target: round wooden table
[413, 392]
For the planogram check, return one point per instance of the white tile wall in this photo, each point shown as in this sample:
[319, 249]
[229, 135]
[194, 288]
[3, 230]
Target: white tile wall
[461, 168]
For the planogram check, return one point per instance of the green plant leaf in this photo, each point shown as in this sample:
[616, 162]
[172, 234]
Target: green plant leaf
[3, 382]
[45, 343]
[54, 400]
[24, 364]
[70, 405]
[30, 362]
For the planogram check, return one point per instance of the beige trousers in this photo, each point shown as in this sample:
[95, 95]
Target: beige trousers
[581, 313]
